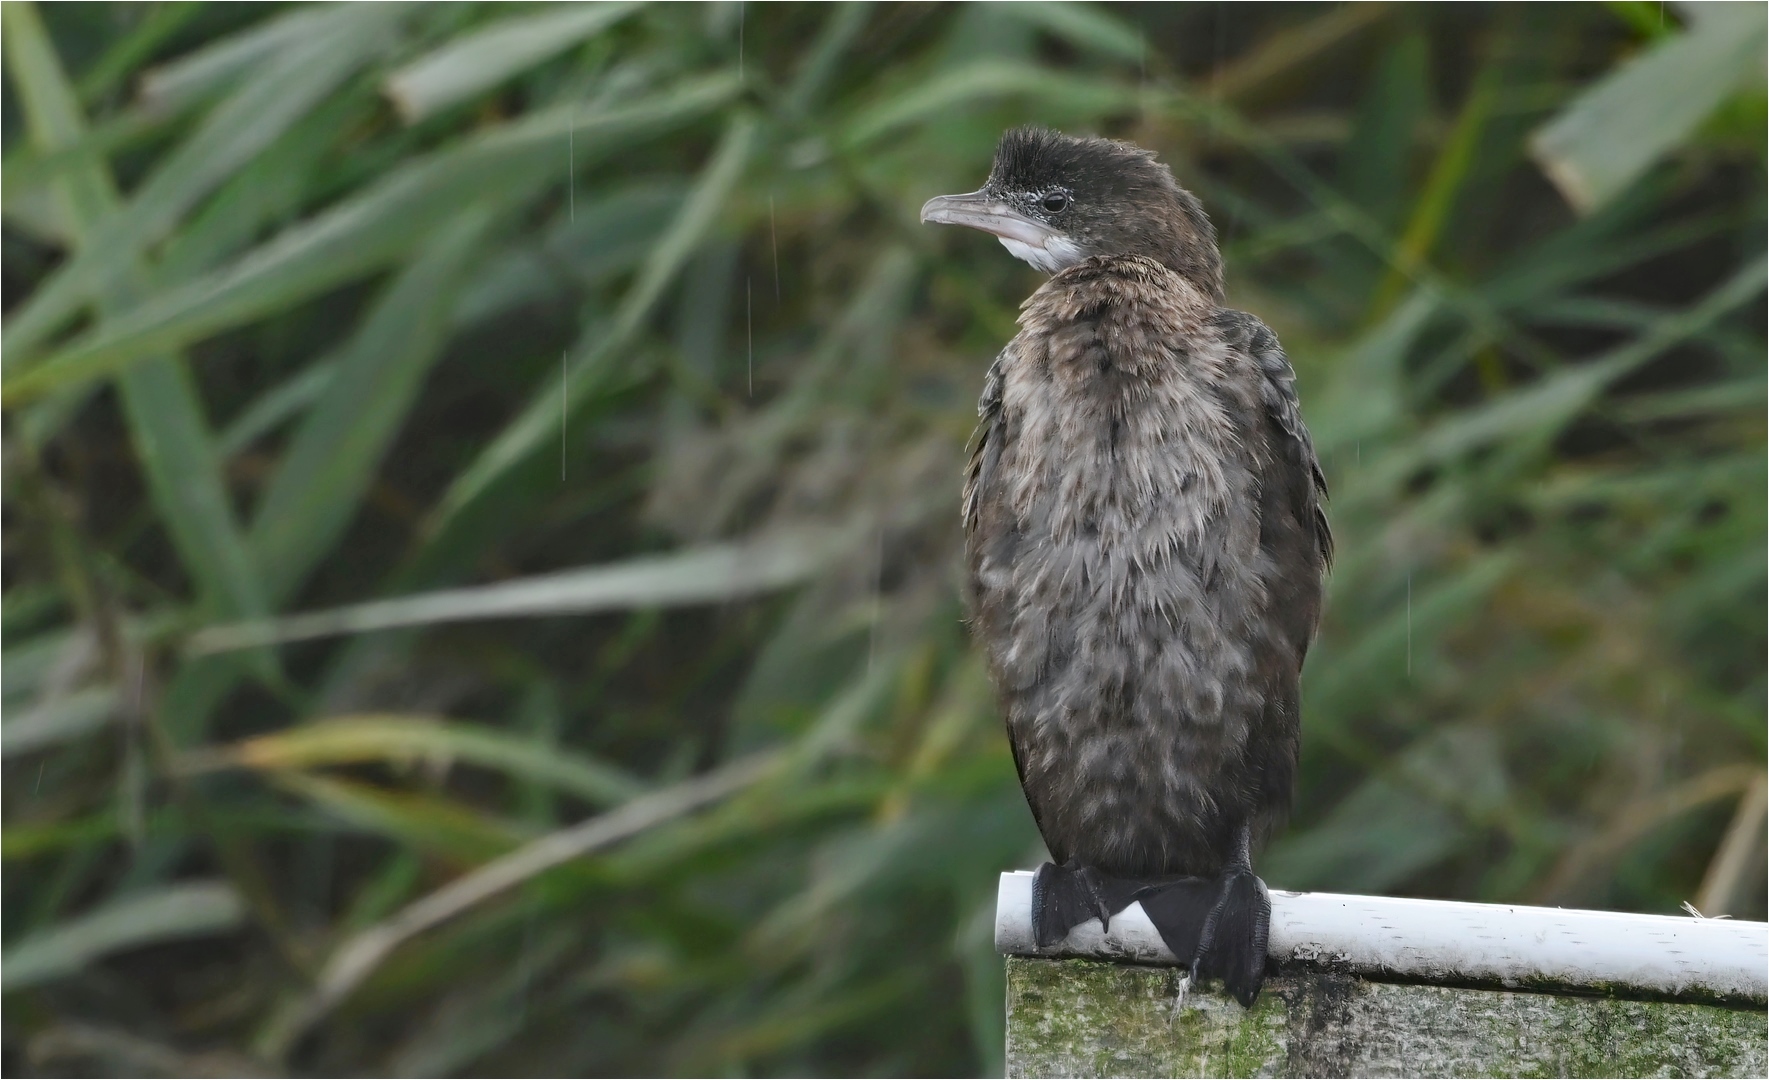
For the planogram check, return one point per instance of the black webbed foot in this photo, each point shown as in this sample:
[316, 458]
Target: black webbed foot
[1235, 936]
[1064, 897]
[1179, 908]
[1221, 924]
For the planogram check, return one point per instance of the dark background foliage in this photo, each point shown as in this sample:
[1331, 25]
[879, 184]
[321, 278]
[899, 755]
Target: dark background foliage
[314, 307]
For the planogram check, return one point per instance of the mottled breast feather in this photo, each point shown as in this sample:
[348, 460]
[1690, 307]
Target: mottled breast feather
[1145, 544]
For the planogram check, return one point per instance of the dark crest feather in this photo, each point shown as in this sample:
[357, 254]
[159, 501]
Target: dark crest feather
[1120, 177]
[1028, 155]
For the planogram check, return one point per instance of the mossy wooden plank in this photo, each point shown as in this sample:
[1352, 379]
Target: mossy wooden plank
[1079, 1018]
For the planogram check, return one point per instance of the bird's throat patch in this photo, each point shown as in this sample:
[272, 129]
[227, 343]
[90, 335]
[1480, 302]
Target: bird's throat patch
[1056, 254]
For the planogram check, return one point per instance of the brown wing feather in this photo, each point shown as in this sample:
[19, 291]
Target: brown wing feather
[985, 453]
[985, 442]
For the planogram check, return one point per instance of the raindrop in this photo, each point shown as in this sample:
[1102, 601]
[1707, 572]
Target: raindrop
[774, 239]
[1409, 624]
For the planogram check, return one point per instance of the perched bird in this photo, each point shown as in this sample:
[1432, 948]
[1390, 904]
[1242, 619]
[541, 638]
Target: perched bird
[1146, 541]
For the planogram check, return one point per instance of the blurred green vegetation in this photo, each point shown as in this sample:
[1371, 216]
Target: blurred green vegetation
[308, 308]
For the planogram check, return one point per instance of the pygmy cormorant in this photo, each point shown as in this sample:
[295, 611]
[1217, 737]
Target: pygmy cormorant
[1145, 543]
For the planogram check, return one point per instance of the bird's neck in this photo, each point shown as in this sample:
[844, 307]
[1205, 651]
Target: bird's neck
[1112, 280]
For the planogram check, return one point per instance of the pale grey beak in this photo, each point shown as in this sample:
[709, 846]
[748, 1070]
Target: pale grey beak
[981, 211]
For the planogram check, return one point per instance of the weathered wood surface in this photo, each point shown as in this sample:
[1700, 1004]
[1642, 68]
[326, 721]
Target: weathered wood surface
[1082, 1018]
[1511, 946]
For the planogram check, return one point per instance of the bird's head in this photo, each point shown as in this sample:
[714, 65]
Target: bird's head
[1054, 200]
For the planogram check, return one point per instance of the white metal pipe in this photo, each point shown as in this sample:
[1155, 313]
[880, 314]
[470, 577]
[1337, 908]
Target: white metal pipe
[1454, 942]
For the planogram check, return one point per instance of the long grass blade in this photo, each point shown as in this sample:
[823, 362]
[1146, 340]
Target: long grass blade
[1085, 26]
[358, 957]
[983, 81]
[479, 61]
[707, 575]
[351, 740]
[431, 823]
[188, 909]
[1618, 128]
[201, 72]
[61, 719]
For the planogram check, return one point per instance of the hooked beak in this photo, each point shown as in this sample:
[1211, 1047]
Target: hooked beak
[980, 211]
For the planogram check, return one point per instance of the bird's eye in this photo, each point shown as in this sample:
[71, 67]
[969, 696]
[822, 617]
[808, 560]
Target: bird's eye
[1056, 202]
